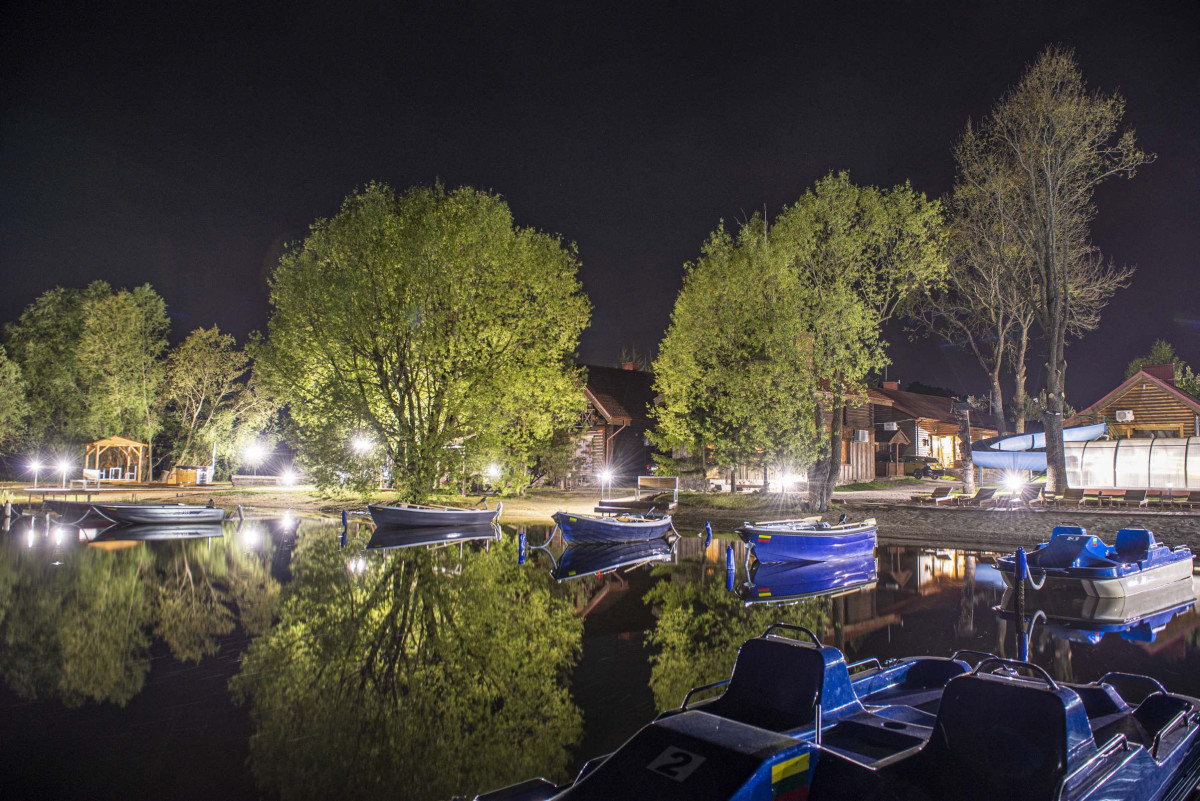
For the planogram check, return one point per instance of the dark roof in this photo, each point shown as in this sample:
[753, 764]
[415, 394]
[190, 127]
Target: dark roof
[624, 397]
[931, 407]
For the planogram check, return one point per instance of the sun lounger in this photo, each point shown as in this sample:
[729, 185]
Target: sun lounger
[1131, 498]
[938, 495]
[1070, 497]
[985, 496]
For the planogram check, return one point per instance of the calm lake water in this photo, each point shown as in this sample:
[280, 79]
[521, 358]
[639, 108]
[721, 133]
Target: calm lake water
[273, 661]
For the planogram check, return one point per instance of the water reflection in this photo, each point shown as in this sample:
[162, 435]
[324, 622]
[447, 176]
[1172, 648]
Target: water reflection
[379, 664]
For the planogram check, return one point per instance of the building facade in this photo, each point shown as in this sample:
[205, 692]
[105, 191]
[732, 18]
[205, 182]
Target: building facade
[915, 424]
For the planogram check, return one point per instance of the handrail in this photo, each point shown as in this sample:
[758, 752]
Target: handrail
[1135, 676]
[793, 627]
[701, 689]
[810, 519]
[861, 662]
[1107, 750]
[1180, 717]
[964, 651]
[1017, 663]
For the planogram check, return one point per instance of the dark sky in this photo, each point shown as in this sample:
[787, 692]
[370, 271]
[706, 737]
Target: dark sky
[184, 143]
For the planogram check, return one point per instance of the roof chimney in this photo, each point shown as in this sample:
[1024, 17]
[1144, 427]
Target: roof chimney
[629, 365]
[1163, 372]
[891, 385]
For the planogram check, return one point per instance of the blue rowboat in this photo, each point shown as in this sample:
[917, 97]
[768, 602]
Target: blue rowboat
[589, 530]
[412, 515]
[589, 560]
[794, 721]
[1074, 560]
[383, 539]
[809, 540]
[787, 582]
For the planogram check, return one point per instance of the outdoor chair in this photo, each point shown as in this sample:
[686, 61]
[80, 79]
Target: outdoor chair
[1030, 494]
[1131, 498]
[1092, 497]
[938, 495]
[1070, 497]
[985, 496]
[1112, 498]
[1189, 501]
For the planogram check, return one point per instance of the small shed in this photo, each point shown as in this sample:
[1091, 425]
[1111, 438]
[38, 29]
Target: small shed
[115, 459]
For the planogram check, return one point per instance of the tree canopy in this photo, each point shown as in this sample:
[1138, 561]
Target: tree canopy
[1162, 352]
[421, 320]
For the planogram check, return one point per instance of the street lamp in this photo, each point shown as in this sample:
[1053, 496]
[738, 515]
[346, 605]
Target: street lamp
[361, 444]
[63, 467]
[254, 454]
[493, 472]
[35, 466]
[606, 477]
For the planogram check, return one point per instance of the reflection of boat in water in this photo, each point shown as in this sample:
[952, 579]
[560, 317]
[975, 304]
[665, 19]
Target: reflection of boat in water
[809, 540]
[1076, 560]
[588, 560]
[412, 515]
[383, 539]
[1085, 618]
[591, 530]
[150, 532]
[159, 513]
[786, 582]
[793, 720]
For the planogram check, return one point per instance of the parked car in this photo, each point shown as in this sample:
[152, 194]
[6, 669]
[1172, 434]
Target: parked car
[923, 467]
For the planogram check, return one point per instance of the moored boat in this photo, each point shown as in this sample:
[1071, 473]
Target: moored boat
[788, 582]
[795, 721]
[809, 540]
[1074, 560]
[159, 513]
[591, 530]
[412, 515]
[589, 560]
[151, 532]
[383, 539]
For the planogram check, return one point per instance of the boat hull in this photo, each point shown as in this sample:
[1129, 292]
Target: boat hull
[383, 539]
[151, 532]
[583, 530]
[786, 582]
[774, 544]
[1116, 587]
[588, 560]
[425, 517]
[162, 514]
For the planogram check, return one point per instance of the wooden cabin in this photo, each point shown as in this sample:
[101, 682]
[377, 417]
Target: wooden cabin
[927, 422]
[615, 422]
[1145, 405]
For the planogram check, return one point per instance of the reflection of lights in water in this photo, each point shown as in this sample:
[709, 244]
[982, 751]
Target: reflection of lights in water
[287, 520]
[358, 565]
[251, 536]
[31, 537]
[56, 563]
[82, 535]
[58, 536]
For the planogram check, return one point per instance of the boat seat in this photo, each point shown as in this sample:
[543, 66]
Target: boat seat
[998, 738]
[922, 685]
[1145, 722]
[1134, 544]
[775, 685]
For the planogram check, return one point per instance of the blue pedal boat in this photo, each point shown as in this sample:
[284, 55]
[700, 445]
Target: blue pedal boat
[809, 540]
[796, 722]
[592, 560]
[1086, 618]
[779, 583]
[1074, 560]
[590, 530]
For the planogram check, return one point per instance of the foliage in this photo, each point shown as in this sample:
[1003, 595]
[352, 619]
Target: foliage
[1161, 352]
[14, 408]
[423, 675]
[732, 371]
[701, 627]
[1050, 141]
[216, 407]
[424, 319]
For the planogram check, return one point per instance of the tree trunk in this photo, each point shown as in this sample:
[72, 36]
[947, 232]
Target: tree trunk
[1052, 417]
[968, 464]
[828, 469]
[766, 481]
[1020, 397]
[996, 402]
[733, 479]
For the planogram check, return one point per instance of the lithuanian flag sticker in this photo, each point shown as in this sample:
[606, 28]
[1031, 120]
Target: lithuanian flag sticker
[764, 537]
[790, 779]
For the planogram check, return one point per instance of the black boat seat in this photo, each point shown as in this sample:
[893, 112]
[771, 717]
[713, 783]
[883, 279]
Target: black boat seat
[1134, 544]
[998, 738]
[775, 685]
[1144, 723]
[922, 685]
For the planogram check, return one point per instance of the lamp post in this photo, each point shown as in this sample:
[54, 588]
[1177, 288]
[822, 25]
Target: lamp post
[255, 453]
[63, 467]
[35, 466]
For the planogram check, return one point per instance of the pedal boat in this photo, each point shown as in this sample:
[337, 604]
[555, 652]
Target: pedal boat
[593, 530]
[809, 540]
[793, 723]
[1074, 560]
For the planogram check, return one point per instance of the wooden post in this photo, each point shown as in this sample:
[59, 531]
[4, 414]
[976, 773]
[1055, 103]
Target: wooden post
[963, 412]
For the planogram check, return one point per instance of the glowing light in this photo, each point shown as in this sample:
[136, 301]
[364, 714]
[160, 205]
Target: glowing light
[288, 478]
[251, 536]
[362, 444]
[31, 538]
[35, 466]
[493, 472]
[358, 565]
[64, 467]
[606, 475]
[288, 520]
[255, 452]
[1014, 482]
[58, 535]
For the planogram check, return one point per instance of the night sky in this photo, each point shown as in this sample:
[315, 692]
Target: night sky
[185, 143]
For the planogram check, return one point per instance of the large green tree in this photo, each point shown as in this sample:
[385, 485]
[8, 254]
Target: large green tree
[865, 255]
[425, 319]
[1056, 141]
[734, 369]
[1162, 352]
[14, 408]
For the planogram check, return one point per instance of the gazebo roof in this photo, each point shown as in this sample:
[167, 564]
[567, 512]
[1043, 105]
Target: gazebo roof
[117, 442]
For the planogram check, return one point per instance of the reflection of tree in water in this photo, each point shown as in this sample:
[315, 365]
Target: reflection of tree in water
[411, 679]
[80, 630]
[700, 628]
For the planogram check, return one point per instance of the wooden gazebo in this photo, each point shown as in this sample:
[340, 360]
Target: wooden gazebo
[115, 459]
